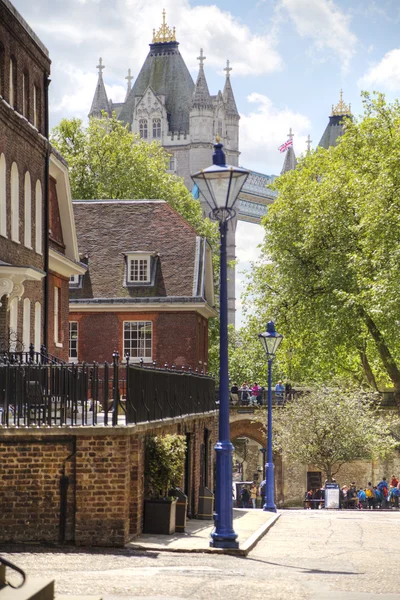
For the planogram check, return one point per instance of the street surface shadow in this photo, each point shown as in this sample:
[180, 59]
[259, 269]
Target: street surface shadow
[303, 569]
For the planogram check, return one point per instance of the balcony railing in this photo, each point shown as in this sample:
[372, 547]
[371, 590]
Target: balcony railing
[39, 394]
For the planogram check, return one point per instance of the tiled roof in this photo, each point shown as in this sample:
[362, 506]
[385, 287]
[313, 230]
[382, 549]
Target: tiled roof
[108, 229]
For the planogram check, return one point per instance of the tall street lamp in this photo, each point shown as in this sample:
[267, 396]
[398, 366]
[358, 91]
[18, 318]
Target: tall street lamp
[220, 185]
[270, 341]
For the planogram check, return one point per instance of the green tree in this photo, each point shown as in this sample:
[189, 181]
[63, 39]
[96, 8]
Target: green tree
[328, 428]
[106, 160]
[330, 270]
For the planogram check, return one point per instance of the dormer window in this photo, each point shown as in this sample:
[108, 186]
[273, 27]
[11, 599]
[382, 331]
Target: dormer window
[75, 281]
[138, 268]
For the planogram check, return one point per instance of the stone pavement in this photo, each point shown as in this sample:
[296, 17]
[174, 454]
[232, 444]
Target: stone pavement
[250, 525]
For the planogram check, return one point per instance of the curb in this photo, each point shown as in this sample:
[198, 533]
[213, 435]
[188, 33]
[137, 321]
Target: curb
[247, 546]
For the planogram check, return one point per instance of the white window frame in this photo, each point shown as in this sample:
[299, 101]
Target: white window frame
[35, 106]
[11, 88]
[14, 203]
[28, 211]
[13, 324]
[38, 217]
[144, 347]
[73, 341]
[57, 309]
[3, 196]
[172, 162]
[140, 258]
[38, 325]
[26, 325]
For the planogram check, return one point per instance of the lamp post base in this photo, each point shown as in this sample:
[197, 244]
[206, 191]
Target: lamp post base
[223, 543]
[269, 487]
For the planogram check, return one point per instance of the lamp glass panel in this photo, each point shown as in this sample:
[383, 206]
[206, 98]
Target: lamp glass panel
[220, 186]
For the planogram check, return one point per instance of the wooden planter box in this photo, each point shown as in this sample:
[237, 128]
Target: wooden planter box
[159, 516]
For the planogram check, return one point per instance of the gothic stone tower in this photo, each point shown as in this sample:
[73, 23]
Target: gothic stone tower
[165, 104]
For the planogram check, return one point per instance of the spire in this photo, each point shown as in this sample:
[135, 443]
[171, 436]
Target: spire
[227, 94]
[309, 142]
[290, 161]
[201, 95]
[334, 129]
[129, 85]
[100, 100]
[165, 33]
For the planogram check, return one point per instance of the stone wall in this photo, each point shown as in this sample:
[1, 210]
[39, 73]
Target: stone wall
[105, 469]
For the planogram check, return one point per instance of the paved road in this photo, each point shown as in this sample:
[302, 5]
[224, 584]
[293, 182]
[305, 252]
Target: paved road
[306, 555]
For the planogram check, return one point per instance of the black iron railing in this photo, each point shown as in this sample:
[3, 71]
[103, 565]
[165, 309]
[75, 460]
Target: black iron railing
[36, 394]
[30, 357]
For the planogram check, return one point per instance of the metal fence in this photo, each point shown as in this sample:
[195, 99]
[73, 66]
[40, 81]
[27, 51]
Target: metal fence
[39, 394]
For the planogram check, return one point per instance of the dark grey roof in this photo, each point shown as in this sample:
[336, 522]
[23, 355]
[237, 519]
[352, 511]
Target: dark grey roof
[201, 94]
[333, 131]
[164, 70]
[290, 161]
[100, 100]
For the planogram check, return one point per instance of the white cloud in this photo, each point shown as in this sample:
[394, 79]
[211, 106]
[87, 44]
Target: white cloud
[79, 31]
[384, 74]
[248, 238]
[264, 129]
[324, 23]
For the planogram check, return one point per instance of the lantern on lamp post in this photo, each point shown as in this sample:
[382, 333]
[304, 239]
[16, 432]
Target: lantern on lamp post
[220, 186]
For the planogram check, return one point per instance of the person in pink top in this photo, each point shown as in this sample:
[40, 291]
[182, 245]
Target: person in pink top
[254, 394]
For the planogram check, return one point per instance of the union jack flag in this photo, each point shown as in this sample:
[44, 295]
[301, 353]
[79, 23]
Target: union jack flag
[286, 145]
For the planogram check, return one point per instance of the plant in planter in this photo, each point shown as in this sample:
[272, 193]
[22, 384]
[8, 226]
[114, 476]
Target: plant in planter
[164, 470]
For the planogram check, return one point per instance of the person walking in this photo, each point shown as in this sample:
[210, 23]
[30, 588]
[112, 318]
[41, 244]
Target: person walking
[384, 489]
[253, 494]
[235, 394]
[244, 496]
[370, 494]
[279, 391]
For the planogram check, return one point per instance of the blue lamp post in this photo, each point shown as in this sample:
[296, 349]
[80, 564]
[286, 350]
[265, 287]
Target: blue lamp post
[271, 341]
[220, 185]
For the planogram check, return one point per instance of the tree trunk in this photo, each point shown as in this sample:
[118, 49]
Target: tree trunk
[367, 369]
[384, 352]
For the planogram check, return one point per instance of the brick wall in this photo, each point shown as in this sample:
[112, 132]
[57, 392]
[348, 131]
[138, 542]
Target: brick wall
[29, 486]
[106, 480]
[178, 338]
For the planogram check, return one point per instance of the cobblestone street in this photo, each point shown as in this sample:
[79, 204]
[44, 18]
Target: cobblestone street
[306, 554]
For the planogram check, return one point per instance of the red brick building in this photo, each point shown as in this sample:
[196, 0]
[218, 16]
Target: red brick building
[33, 263]
[148, 291]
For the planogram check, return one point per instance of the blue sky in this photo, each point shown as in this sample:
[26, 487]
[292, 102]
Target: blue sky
[290, 58]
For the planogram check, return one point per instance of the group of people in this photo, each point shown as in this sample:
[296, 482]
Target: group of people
[383, 495]
[246, 394]
[252, 395]
[250, 493]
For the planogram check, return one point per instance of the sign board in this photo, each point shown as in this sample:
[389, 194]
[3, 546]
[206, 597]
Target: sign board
[332, 495]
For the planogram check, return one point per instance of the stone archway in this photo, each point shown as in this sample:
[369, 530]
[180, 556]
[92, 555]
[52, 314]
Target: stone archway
[254, 431]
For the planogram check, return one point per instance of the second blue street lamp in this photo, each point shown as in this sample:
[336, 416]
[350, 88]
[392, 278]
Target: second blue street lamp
[220, 186]
[271, 341]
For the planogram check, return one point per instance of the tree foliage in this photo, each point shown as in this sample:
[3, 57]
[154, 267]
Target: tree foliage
[106, 160]
[328, 428]
[165, 462]
[330, 267]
